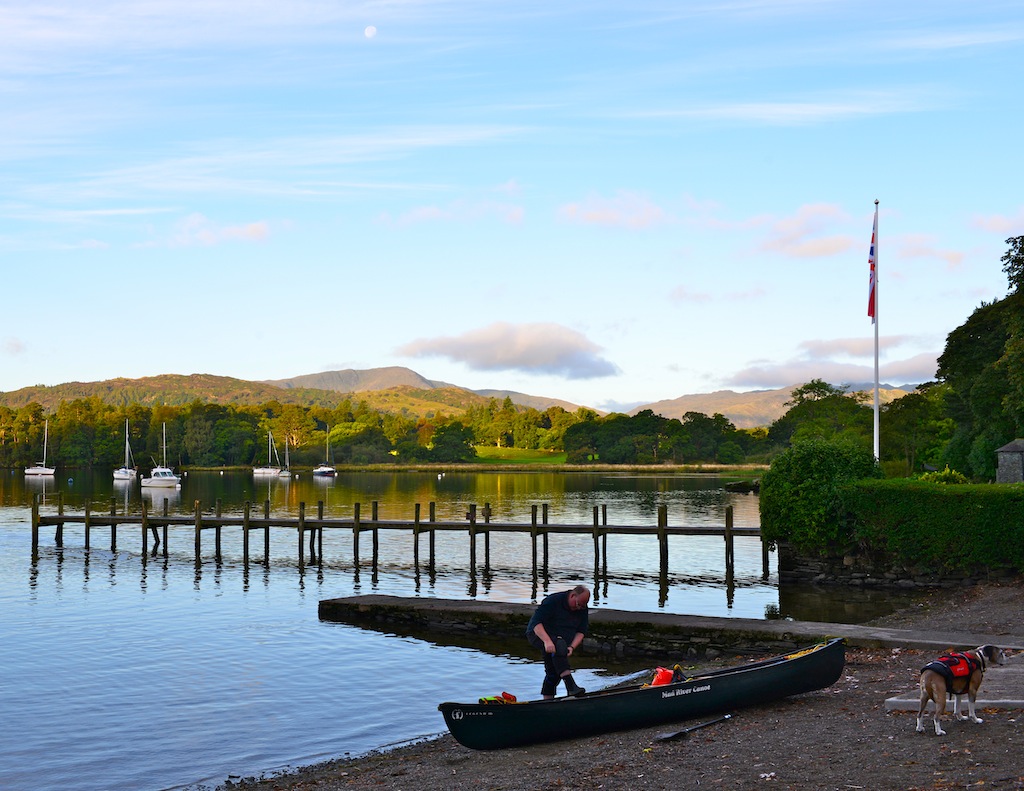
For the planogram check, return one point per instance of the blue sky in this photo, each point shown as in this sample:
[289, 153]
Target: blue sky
[609, 203]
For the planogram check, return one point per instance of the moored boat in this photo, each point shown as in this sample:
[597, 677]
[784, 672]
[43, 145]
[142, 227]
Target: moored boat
[40, 468]
[490, 726]
[269, 468]
[326, 470]
[162, 475]
[127, 471]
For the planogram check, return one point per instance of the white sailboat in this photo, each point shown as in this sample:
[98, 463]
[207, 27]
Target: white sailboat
[162, 475]
[268, 468]
[127, 471]
[40, 468]
[326, 470]
[286, 471]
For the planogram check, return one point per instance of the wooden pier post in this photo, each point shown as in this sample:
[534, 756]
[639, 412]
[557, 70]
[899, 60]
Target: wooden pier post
[471, 516]
[266, 534]
[113, 512]
[487, 539]
[376, 545]
[216, 537]
[318, 533]
[58, 535]
[245, 534]
[533, 539]
[730, 555]
[302, 537]
[604, 540]
[544, 521]
[145, 533]
[416, 538]
[764, 558]
[199, 528]
[663, 540]
[597, 543]
[432, 517]
[355, 535]
[145, 522]
[35, 525]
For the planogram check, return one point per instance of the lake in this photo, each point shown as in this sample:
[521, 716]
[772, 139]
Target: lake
[133, 672]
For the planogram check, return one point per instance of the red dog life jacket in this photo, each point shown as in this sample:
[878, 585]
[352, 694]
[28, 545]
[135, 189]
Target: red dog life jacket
[954, 666]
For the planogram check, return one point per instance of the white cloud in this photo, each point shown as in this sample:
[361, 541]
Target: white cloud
[1000, 223]
[540, 348]
[198, 230]
[804, 235]
[626, 210]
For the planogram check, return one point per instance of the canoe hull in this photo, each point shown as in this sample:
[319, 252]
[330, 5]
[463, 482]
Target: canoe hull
[495, 726]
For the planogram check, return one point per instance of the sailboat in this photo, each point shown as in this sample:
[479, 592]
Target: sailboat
[326, 470]
[162, 475]
[286, 471]
[268, 468]
[127, 471]
[40, 468]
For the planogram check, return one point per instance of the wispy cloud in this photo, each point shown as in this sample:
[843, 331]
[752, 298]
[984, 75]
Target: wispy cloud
[540, 348]
[921, 246]
[13, 347]
[459, 211]
[822, 360]
[804, 234]
[801, 112]
[1001, 223]
[625, 210]
[197, 230]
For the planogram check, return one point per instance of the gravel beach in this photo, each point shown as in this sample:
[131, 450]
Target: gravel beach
[837, 738]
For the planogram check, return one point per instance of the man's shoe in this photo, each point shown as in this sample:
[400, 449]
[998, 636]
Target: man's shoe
[572, 688]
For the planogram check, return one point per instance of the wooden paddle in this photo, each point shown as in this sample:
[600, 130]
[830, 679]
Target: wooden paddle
[667, 737]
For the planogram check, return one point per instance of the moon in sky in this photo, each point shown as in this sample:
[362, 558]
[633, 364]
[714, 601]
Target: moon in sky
[370, 31]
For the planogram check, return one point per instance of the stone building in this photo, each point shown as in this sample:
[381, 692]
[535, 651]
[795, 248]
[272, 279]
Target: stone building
[1010, 462]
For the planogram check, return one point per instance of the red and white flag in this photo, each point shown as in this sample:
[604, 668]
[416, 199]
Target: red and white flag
[871, 276]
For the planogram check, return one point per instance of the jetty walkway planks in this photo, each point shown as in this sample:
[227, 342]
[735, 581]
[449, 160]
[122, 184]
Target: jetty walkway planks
[476, 525]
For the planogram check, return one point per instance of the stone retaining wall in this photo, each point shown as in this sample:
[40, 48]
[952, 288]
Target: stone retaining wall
[613, 634]
[863, 571]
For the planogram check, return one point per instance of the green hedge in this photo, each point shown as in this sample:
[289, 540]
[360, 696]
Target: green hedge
[965, 528]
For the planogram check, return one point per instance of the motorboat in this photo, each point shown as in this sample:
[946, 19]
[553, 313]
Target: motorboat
[162, 475]
[40, 468]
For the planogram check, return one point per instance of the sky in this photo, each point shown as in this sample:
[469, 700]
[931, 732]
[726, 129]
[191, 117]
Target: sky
[604, 202]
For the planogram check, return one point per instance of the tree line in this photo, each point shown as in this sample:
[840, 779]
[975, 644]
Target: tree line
[975, 405]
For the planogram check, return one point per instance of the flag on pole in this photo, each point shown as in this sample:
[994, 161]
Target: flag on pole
[871, 274]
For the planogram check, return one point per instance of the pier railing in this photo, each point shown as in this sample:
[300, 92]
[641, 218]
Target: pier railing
[477, 525]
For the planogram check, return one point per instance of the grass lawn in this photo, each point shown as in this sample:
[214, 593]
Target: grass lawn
[488, 454]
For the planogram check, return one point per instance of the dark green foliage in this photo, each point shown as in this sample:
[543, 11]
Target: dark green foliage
[801, 493]
[1013, 262]
[966, 529]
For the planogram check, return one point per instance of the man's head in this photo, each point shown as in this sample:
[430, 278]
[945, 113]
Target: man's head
[579, 597]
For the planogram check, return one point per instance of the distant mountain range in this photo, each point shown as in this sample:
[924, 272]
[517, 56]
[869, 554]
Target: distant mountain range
[395, 389]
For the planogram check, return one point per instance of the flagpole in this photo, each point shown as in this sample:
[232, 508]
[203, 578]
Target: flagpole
[875, 322]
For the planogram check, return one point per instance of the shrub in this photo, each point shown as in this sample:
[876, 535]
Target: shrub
[801, 494]
[946, 476]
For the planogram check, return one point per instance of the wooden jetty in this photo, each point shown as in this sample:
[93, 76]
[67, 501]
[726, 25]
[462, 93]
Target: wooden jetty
[477, 525]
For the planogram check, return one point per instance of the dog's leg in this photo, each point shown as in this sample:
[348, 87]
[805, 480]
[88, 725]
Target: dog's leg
[972, 697]
[921, 709]
[940, 710]
[957, 711]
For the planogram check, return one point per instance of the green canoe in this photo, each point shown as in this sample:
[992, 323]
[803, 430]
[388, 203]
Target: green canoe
[494, 726]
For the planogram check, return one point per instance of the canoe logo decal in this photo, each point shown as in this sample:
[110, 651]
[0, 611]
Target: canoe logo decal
[457, 714]
[671, 693]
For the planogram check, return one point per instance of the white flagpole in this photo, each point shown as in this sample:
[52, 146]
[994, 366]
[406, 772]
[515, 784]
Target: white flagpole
[877, 457]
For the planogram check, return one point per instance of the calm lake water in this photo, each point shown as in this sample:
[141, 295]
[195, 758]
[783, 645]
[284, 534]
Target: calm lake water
[127, 672]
